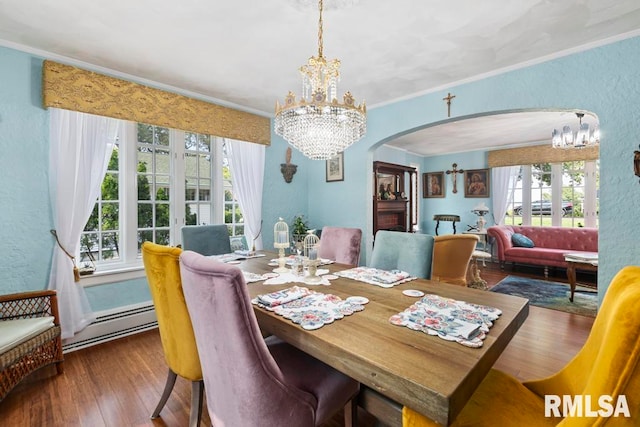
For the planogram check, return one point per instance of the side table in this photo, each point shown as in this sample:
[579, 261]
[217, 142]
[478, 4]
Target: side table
[586, 261]
[446, 217]
[484, 243]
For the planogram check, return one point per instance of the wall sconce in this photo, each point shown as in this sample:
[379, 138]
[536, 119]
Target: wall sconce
[288, 169]
[636, 162]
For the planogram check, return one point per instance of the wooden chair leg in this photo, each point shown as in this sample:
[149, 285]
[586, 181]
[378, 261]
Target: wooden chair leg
[351, 413]
[197, 392]
[168, 387]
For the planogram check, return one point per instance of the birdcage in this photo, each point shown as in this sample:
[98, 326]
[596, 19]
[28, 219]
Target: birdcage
[280, 242]
[310, 246]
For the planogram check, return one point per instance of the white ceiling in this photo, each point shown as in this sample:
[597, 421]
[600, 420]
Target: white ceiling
[245, 53]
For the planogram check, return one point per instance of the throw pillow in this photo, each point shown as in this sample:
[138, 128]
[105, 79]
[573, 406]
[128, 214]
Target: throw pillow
[521, 240]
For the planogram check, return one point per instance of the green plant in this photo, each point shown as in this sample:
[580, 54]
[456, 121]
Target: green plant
[299, 225]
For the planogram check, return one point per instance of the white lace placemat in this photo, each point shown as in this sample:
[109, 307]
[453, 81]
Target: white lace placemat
[291, 277]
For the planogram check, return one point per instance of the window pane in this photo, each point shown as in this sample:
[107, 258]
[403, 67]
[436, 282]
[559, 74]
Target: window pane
[145, 133]
[110, 247]
[162, 237]
[162, 215]
[161, 136]
[162, 162]
[204, 143]
[110, 216]
[110, 189]
[144, 236]
[145, 215]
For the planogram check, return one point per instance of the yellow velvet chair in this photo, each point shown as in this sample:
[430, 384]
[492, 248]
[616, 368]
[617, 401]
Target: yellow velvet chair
[451, 256]
[607, 365]
[161, 264]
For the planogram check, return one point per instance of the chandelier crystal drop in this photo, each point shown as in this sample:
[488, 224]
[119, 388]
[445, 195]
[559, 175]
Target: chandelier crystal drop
[583, 137]
[318, 125]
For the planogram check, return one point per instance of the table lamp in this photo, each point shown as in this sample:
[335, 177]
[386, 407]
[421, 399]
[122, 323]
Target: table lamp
[280, 242]
[481, 210]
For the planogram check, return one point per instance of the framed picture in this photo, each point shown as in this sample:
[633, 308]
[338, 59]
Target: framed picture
[476, 183]
[386, 186]
[335, 168]
[433, 184]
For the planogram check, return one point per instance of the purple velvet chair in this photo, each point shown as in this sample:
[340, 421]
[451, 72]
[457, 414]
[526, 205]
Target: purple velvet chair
[251, 381]
[340, 244]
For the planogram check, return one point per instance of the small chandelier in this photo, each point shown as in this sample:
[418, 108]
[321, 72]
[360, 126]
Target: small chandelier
[318, 125]
[583, 137]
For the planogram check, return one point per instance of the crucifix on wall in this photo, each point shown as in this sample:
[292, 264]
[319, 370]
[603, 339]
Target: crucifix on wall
[454, 171]
[448, 98]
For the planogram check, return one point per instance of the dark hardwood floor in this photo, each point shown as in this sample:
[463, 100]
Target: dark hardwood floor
[118, 383]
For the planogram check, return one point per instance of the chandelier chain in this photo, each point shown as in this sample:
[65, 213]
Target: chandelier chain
[320, 47]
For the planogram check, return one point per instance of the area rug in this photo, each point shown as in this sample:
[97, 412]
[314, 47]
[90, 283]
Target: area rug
[547, 294]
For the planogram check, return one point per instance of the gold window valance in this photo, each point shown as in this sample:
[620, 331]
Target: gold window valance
[72, 88]
[540, 154]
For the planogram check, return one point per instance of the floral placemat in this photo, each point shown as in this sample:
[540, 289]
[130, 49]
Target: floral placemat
[375, 276]
[307, 308]
[452, 320]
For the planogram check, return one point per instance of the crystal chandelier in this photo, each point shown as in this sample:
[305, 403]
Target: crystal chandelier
[583, 137]
[318, 124]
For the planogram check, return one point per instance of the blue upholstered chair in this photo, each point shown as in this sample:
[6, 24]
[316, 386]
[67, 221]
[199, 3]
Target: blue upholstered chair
[206, 239]
[340, 244]
[410, 252]
[251, 381]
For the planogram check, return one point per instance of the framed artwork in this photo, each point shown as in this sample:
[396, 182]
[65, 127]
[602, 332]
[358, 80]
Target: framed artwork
[335, 168]
[476, 183]
[387, 186]
[433, 184]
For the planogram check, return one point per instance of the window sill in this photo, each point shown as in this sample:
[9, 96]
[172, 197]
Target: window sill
[112, 276]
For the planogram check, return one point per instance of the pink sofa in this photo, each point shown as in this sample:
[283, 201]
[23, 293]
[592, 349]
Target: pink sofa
[551, 243]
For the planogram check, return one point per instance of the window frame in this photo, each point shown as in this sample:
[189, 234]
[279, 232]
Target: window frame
[129, 265]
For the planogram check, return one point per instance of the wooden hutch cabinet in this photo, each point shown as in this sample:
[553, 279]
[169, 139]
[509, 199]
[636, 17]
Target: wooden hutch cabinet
[393, 205]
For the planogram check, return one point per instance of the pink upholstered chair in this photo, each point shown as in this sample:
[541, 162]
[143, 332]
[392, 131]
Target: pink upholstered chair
[251, 381]
[340, 244]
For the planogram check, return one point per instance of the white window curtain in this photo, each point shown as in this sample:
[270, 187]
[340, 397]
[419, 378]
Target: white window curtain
[80, 148]
[503, 181]
[246, 161]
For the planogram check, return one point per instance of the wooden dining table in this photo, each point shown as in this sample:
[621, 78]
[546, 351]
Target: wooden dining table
[396, 366]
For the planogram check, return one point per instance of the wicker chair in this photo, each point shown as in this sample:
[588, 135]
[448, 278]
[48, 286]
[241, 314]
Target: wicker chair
[43, 349]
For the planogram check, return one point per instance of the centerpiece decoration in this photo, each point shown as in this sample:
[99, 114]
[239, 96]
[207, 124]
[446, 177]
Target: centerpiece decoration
[280, 242]
[311, 260]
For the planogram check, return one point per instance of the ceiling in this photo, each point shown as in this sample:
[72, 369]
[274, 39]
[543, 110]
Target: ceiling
[245, 54]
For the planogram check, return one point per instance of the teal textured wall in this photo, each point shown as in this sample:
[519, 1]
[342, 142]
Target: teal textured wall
[26, 216]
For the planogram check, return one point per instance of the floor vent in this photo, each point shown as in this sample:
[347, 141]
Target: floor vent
[113, 324]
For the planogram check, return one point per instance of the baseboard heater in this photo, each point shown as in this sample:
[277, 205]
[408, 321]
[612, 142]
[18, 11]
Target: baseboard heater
[113, 324]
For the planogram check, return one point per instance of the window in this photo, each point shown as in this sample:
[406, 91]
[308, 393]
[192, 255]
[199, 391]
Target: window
[559, 194]
[158, 179]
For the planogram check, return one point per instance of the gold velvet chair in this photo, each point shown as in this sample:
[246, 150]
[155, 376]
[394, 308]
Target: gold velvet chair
[607, 365]
[161, 264]
[451, 256]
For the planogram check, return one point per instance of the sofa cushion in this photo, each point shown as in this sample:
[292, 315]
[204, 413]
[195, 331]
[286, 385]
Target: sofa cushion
[15, 332]
[522, 241]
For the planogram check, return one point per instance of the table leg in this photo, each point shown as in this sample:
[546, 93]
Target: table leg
[571, 275]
